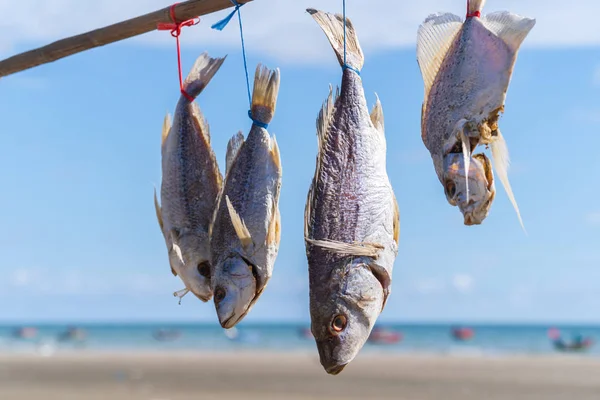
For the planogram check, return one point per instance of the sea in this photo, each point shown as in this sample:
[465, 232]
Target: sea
[435, 339]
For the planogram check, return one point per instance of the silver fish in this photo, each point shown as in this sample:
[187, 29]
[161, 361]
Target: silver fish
[191, 183]
[246, 230]
[352, 223]
[466, 68]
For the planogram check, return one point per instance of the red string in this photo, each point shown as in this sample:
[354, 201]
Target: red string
[175, 28]
[475, 14]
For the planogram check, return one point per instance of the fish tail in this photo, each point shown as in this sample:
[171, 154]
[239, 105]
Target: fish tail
[333, 26]
[264, 97]
[475, 6]
[201, 74]
[511, 28]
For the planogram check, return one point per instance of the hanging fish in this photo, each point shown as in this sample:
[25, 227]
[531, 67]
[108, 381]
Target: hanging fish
[467, 67]
[351, 221]
[246, 230]
[191, 183]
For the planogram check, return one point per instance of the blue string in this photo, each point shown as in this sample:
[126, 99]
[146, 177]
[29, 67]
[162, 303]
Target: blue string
[220, 25]
[346, 66]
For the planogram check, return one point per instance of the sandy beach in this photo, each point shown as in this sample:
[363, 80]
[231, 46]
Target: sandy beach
[250, 376]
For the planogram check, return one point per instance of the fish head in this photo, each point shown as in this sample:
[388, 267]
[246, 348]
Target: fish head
[342, 320]
[475, 200]
[190, 258]
[235, 285]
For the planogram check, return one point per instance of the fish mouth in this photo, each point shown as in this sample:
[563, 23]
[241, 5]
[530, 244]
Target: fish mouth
[336, 369]
[232, 319]
[470, 220]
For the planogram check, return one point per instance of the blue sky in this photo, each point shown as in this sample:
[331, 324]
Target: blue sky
[80, 154]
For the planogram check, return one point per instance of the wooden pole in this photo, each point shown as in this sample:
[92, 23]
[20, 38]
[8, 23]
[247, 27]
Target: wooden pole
[110, 34]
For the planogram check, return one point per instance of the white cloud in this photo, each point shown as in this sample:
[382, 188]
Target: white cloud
[586, 115]
[75, 282]
[593, 218]
[22, 277]
[463, 282]
[521, 296]
[430, 286]
[282, 28]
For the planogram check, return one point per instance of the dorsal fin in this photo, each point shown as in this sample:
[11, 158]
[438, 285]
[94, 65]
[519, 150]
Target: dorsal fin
[274, 231]
[275, 152]
[434, 38]
[238, 224]
[233, 148]
[158, 211]
[511, 28]
[323, 121]
[377, 116]
[166, 128]
[501, 163]
[325, 116]
[396, 221]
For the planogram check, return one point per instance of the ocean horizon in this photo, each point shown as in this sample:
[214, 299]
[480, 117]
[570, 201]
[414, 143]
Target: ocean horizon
[398, 338]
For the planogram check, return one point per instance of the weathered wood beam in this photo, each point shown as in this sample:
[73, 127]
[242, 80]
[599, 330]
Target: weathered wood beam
[110, 34]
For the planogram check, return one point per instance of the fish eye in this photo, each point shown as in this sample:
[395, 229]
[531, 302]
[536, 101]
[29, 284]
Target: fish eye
[339, 324]
[219, 294]
[204, 269]
[450, 188]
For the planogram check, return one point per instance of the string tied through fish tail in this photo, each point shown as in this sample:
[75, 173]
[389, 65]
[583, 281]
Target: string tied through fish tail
[475, 14]
[346, 66]
[175, 27]
[220, 25]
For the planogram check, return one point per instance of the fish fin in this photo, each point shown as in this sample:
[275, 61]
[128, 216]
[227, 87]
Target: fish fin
[308, 209]
[233, 148]
[474, 6]
[201, 124]
[274, 232]
[175, 234]
[396, 221]
[158, 211]
[384, 278]
[275, 153]
[323, 121]
[178, 252]
[511, 28]
[166, 128]
[501, 163]
[181, 294]
[333, 26]
[264, 96]
[238, 224]
[377, 116]
[434, 38]
[202, 72]
[354, 249]
[325, 116]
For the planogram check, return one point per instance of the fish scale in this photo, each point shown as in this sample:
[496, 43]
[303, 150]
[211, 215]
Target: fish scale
[190, 186]
[467, 67]
[246, 229]
[351, 218]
